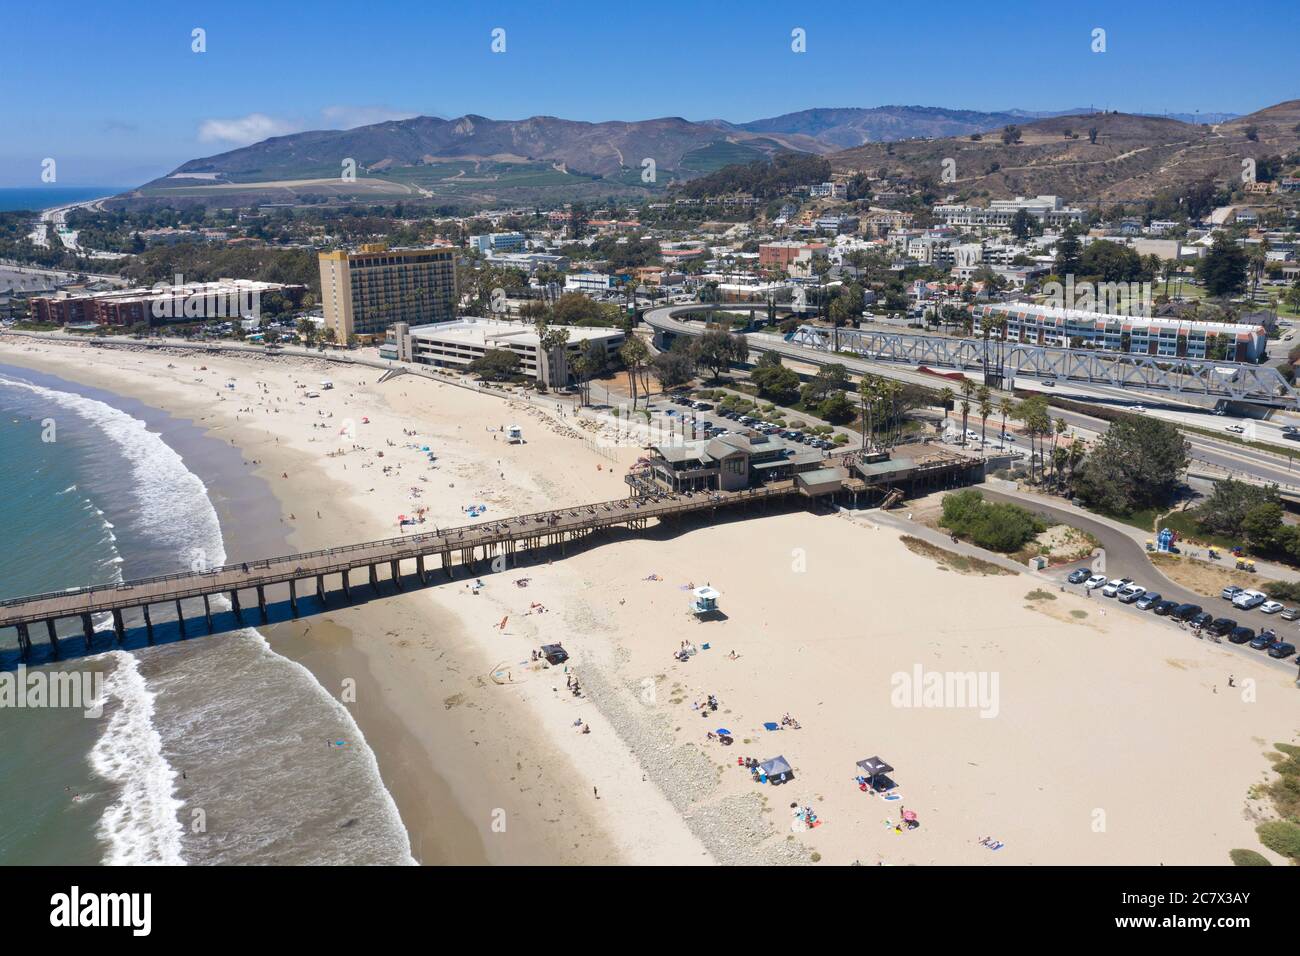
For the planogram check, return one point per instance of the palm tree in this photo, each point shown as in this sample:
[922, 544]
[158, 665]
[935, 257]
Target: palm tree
[1005, 408]
[1060, 429]
[946, 396]
[986, 409]
[967, 390]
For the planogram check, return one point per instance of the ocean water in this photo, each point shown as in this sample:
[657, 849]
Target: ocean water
[45, 197]
[211, 749]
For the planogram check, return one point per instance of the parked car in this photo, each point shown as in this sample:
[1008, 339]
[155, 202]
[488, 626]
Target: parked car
[1114, 586]
[1235, 429]
[1230, 592]
[1094, 582]
[1185, 612]
[1204, 619]
[1079, 575]
[703, 407]
[1271, 607]
[1281, 649]
[1290, 613]
[1127, 595]
[1264, 641]
[1242, 635]
[1246, 600]
[1223, 626]
[1147, 601]
[1164, 608]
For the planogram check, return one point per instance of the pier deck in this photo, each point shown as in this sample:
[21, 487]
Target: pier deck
[484, 540]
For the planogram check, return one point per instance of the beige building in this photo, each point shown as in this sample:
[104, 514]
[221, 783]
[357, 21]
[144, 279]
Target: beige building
[365, 291]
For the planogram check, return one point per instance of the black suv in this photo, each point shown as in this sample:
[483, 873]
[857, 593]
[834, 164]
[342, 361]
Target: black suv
[1241, 635]
[1185, 612]
[1223, 626]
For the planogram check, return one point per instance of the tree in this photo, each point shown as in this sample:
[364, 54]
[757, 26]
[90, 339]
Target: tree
[985, 399]
[1223, 269]
[836, 408]
[634, 353]
[673, 368]
[829, 378]
[1067, 252]
[967, 390]
[718, 350]
[496, 365]
[1111, 262]
[776, 383]
[946, 395]
[1010, 135]
[1135, 465]
[1225, 511]
[1023, 224]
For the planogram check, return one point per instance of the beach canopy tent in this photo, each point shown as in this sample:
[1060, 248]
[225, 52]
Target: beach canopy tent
[778, 769]
[876, 770]
[554, 654]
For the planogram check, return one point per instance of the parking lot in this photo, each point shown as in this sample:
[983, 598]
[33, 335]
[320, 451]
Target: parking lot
[1180, 608]
[704, 420]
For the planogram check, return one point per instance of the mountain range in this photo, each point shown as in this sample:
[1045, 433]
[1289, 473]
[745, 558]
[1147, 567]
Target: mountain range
[474, 160]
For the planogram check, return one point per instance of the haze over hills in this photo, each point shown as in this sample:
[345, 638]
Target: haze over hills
[476, 160]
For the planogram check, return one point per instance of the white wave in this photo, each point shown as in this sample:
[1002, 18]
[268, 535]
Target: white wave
[66, 490]
[174, 507]
[141, 827]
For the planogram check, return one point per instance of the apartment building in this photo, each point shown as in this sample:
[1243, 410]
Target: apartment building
[365, 291]
[1050, 211]
[162, 303]
[497, 242]
[1175, 338]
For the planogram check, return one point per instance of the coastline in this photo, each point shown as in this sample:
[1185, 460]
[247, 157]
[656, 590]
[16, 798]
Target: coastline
[475, 781]
[444, 682]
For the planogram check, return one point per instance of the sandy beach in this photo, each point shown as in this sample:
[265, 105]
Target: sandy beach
[1085, 748]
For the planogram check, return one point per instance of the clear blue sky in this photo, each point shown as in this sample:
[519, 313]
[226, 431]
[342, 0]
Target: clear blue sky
[112, 91]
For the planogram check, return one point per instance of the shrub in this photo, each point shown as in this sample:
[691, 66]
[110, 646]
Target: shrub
[997, 527]
[1281, 836]
[1248, 858]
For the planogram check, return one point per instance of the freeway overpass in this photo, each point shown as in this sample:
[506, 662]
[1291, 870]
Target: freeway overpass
[1194, 379]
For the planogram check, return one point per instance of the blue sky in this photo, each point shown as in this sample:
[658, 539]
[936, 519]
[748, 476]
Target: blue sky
[113, 92]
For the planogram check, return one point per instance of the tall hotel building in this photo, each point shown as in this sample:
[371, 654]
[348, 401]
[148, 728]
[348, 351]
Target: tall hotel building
[365, 291]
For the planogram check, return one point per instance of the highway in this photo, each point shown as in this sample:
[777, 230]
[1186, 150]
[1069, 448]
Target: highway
[1234, 459]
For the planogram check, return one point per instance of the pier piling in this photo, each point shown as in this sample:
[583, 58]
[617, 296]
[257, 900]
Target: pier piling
[261, 602]
[207, 612]
[118, 628]
[396, 569]
[87, 630]
[54, 638]
[347, 587]
[180, 617]
[148, 624]
[293, 597]
[234, 603]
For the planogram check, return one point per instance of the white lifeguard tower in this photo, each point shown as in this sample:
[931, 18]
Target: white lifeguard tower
[515, 435]
[704, 601]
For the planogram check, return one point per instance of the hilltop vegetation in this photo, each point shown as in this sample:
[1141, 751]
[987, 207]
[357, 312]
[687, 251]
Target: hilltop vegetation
[765, 179]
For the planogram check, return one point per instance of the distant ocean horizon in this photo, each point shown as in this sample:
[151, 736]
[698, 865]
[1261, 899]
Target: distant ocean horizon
[45, 197]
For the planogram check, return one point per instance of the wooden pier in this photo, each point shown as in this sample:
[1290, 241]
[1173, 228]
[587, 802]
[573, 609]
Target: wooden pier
[496, 542]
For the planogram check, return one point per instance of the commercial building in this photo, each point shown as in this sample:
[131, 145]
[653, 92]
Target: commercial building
[728, 463]
[163, 303]
[588, 282]
[365, 291]
[1175, 338]
[457, 344]
[529, 262]
[780, 255]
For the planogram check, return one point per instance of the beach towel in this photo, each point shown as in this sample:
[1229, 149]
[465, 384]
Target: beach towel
[893, 796]
[771, 725]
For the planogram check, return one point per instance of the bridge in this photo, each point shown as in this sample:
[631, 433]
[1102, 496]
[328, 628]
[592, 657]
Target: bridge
[497, 542]
[1179, 377]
